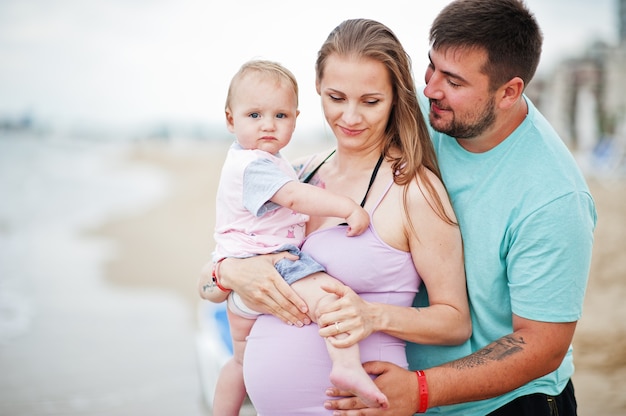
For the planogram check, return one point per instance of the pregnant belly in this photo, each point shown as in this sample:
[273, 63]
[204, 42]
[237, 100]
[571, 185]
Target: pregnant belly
[286, 369]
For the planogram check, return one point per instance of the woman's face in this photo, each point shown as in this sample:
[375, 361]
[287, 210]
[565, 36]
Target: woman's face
[357, 98]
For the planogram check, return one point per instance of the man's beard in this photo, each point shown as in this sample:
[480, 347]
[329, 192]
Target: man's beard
[467, 130]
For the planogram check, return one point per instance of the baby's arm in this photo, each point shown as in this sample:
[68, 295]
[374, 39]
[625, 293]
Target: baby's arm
[312, 200]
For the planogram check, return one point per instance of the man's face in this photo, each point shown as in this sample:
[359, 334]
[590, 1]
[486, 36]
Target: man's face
[461, 104]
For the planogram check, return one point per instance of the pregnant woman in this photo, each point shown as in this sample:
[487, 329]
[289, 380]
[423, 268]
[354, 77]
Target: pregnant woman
[383, 159]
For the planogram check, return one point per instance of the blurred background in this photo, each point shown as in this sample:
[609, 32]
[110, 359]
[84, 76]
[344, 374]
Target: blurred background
[111, 142]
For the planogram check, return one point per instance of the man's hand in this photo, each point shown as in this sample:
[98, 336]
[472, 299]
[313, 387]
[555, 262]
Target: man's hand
[398, 384]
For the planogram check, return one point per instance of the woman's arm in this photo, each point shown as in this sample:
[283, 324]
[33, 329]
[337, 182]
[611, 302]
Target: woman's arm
[436, 248]
[208, 288]
[260, 286]
[437, 251]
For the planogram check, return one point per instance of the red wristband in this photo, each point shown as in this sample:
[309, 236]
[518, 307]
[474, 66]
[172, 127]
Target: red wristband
[422, 390]
[216, 278]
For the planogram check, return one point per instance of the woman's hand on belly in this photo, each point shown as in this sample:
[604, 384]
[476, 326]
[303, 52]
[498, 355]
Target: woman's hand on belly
[353, 315]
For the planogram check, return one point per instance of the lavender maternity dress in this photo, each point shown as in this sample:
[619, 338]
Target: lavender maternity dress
[286, 368]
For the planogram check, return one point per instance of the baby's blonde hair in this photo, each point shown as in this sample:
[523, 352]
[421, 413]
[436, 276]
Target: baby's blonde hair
[264, 67]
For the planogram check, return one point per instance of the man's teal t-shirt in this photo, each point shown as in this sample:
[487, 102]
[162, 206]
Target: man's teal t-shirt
[527, 219]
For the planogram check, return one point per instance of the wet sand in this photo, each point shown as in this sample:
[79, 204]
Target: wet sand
[166, 246]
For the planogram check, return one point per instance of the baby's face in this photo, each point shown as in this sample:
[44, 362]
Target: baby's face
[263, 113]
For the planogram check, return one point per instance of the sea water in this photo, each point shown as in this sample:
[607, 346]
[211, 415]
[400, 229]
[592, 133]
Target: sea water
[70, 343]
[51, 188]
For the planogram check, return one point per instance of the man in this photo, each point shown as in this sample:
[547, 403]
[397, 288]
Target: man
[527, 220]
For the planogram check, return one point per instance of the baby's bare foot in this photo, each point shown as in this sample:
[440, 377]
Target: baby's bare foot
[359, 383]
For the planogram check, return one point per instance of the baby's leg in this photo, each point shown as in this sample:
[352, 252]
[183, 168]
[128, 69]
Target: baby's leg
[230, 391]
[347, 372]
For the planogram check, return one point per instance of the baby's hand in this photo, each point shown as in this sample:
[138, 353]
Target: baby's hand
[358, 221]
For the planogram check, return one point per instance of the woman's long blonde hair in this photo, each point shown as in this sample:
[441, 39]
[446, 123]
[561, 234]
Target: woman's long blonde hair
[406, 130]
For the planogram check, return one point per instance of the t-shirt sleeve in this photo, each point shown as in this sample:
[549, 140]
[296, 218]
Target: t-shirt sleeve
[261, 180]
[548, 263]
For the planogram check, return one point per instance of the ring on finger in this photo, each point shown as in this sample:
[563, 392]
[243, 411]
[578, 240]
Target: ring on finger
[337, 327]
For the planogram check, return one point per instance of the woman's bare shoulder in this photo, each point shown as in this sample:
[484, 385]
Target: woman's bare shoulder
[417, 188]
[432, 196]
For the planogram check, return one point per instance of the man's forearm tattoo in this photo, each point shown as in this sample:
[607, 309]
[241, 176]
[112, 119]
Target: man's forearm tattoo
[496, 351]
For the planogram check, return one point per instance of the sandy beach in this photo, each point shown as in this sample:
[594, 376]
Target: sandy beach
[167, 245]
[126, 345]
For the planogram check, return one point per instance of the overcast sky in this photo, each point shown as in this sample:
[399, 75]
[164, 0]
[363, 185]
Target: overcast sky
[124, 62]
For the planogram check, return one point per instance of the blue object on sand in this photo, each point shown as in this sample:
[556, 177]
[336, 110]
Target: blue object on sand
[222, 322]
[214, 345]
